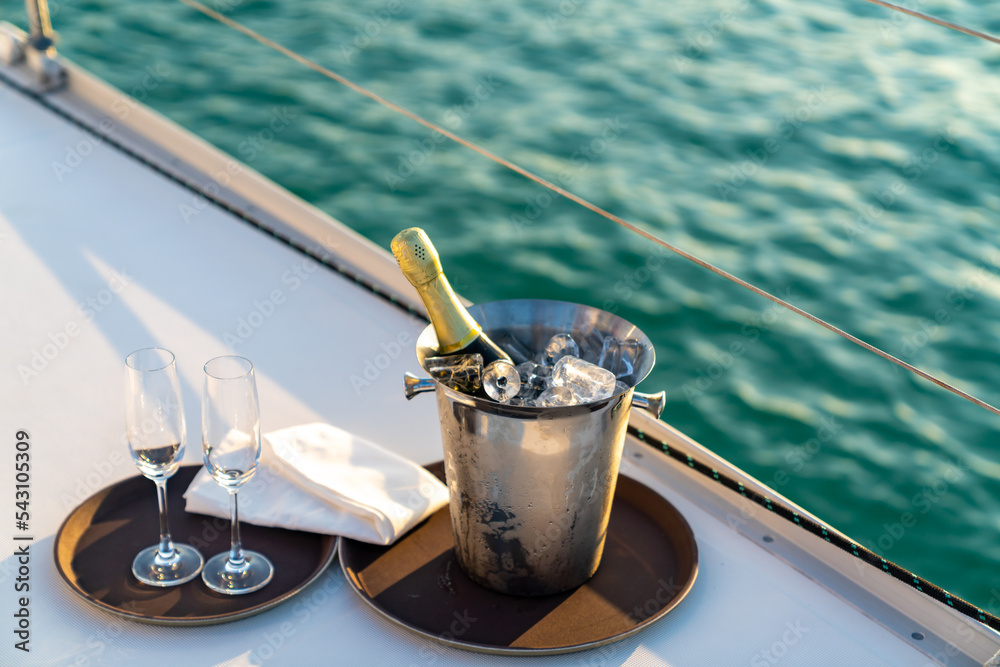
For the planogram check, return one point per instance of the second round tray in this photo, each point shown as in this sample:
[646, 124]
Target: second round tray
[649, 564]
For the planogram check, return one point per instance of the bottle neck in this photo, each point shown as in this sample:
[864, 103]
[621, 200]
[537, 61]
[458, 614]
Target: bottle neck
[453, 325]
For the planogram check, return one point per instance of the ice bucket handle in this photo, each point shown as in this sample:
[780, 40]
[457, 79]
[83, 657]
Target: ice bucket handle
[652, 403]
[413, 385]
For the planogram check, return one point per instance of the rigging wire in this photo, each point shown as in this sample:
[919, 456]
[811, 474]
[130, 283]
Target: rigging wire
[194, 4]
[933, 19]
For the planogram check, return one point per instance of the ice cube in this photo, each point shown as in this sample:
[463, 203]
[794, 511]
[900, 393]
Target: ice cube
[461, 372]
[620, 388]
[528, 393]
[590, 345]
[525, 369]
[588, 382]
[559, 346]
[501, 381]
[611, 352]
[534, 376]
[620, 356]
[554, 397]
[529, 382]
[632, 351]
[515, 349]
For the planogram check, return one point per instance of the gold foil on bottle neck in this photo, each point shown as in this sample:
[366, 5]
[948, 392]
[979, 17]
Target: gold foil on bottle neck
[419, 262]
[416, 256]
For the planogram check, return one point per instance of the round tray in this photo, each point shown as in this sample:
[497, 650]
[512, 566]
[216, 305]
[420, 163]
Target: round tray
[97, 542]
[649, 564]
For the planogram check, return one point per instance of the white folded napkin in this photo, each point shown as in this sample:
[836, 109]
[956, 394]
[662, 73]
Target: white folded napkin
[321, 479]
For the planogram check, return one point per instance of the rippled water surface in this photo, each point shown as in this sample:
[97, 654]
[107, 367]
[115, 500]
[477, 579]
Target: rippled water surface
[836, 155]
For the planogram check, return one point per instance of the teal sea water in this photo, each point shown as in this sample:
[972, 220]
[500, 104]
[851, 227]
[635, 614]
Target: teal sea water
[837, 155]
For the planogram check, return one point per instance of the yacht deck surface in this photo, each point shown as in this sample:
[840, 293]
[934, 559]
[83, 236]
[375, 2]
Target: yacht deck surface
[98, 260]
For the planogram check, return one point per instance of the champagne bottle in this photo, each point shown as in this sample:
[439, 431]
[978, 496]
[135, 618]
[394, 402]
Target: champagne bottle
[457, 332]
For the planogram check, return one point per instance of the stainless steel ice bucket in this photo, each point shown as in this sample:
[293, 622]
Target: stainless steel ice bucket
[531, 488]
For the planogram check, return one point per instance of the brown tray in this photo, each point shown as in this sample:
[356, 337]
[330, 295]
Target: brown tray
[97, 542]
[649, 564]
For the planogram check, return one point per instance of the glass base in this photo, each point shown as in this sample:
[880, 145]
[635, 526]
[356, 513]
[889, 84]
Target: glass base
[150, 569]
[254, 575]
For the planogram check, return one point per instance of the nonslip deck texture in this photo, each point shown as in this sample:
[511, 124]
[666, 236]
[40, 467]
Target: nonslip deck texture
[838, 540]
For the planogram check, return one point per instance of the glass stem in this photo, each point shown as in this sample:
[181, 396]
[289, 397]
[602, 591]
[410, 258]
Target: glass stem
[166, 549]
[236, 559]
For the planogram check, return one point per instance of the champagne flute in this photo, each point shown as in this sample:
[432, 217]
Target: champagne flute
[154, 422]
[230, 428]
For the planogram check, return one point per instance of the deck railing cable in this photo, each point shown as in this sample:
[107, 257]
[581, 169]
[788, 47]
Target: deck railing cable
[597, 209]
[935, 20]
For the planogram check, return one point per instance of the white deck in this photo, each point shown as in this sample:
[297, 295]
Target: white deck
[110, 232]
